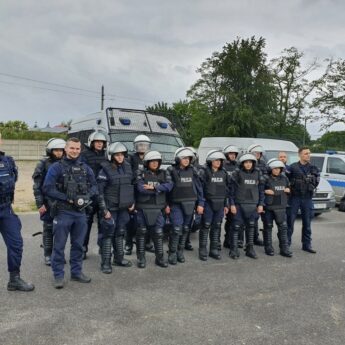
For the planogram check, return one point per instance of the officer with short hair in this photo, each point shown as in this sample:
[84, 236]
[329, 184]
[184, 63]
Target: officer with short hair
[216, 183]
[257, 150]
[116, 198]
[54, 150]
[141, 144]
[10, 225]
[230, 164]
[94, 154]
[152, 184]
[186, 193]
[247, 200]
[304, 178]
[277, 188]
[71, 184]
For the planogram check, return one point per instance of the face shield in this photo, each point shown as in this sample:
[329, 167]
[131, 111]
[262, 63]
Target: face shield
[142, 146]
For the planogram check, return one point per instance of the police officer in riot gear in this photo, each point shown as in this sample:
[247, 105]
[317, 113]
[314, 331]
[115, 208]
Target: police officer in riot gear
[196, 221]
[257, 150]
[247, 200]
[152, 184]
[187, 191]
[54, 150]
[72, 186]
[10, 225]
[230, 164]
[304, 178]
[116, 198]
[215, 182]
[276, 197]
[94, 154]
[142, 144]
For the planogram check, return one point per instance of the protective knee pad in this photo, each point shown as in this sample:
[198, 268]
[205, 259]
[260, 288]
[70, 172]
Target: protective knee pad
[185, 229]
[121, 232]
[268, 226]
[207, 226]
[158, 233]
[176, 231]
[108, 227]
[141, 231]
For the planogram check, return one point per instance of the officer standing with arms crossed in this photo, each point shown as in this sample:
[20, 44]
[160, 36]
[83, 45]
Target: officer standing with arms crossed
[186, 192]
[72, 185]
[152, 185]
[142, 144]
[10, 225]
[54, 150]
[277, 188]
[116, 198]
[304, 178]
[94, 154]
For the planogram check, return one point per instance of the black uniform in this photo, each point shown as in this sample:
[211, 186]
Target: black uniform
[247, 193]
[116, 194]
[150, 205]
[216, 192]
[275, 210]
[94, 160]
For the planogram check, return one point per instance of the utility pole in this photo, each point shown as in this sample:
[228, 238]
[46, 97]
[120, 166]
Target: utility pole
[102, 98]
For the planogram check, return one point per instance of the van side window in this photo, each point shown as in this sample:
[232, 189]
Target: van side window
[318, 162]
[335, 166]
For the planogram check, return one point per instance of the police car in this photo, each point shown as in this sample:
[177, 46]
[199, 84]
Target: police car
[332, 168]
[323, 199]
[124, 125]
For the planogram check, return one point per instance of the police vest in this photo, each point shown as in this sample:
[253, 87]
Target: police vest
[183, 185]
[215, 184]
[247, 191]
[7, 181]
[279, 199]
[303, 184]
[154, 200]
[119, 191]
[74, 183]
[94, 159]
[136, 162]
[230, 166]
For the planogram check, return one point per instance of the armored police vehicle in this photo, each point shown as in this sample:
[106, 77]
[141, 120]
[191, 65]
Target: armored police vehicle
[323, 198]
[124, 125]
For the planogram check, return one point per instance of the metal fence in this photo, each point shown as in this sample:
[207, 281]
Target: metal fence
[24, 149]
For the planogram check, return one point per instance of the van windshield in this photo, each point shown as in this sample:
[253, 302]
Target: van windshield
[165, 144]
[292, 156]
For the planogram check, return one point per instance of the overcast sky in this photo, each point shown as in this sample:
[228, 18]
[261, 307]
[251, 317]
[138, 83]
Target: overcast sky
[142, 51]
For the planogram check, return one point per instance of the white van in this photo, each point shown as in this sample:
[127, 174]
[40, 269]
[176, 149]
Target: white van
[125, 124]
[323, 198]
[332, 168]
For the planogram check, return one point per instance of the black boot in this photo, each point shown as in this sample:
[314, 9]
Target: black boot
[267, 234]
[250, 252]
[119, 254]
[283, 241]
[203, 235]
[140, 240]
[128, 246]
[158, 243]
[106, 255]
[214, 241]
[174, 237]
[18, 284]
[148, 243]
[47, 242]
[182, 244]
[188, 245]
[234, 252]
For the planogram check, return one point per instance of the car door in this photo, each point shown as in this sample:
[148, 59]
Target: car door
[335, 174]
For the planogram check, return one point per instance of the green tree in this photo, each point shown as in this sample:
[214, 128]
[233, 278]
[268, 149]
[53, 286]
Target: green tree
[330, 99]
[236, 87]
[293, 89]
[331, 141]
